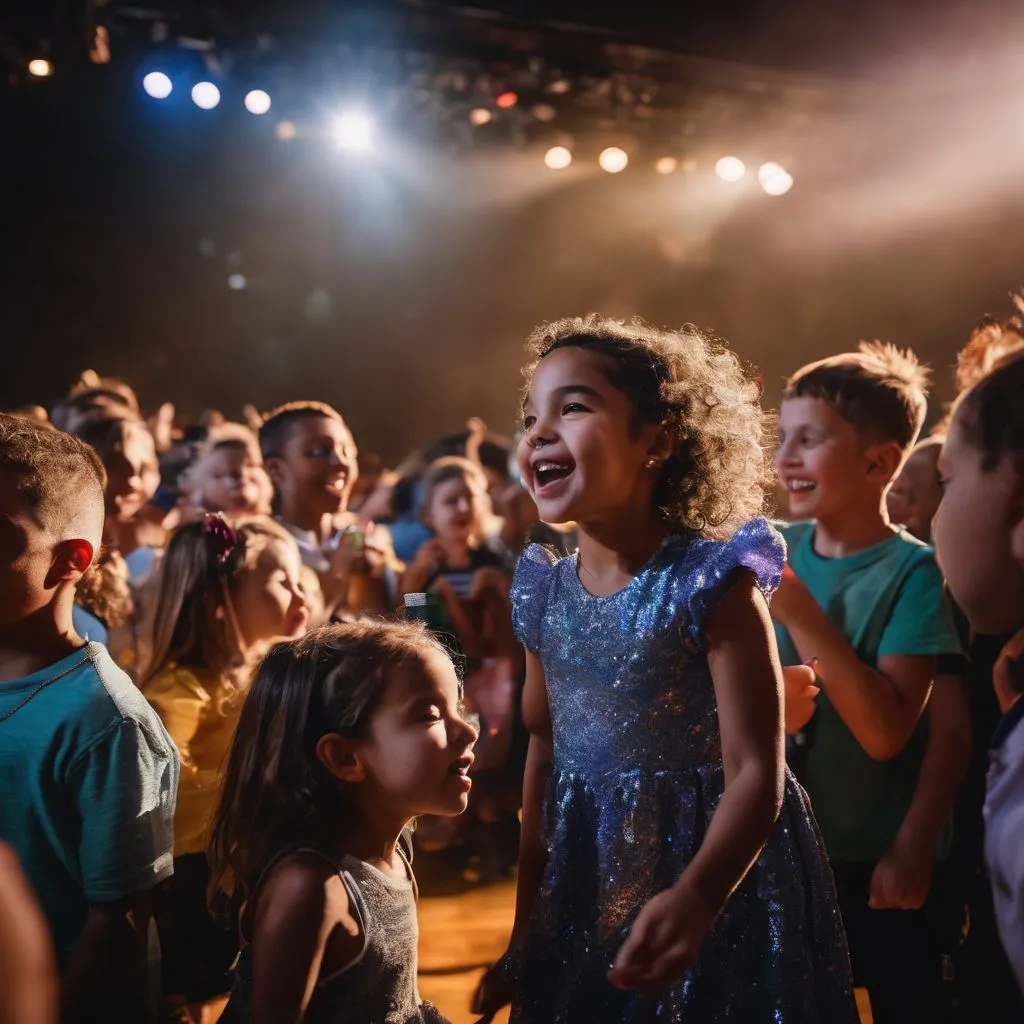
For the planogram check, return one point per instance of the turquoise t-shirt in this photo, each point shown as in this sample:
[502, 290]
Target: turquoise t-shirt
[88, 781]
[885, 600]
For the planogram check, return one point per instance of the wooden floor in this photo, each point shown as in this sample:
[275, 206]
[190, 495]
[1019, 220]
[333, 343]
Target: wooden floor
[460, 935]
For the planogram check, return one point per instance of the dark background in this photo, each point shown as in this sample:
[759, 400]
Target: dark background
[400, 289]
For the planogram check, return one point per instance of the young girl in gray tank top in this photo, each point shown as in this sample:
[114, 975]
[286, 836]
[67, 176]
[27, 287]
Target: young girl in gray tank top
[345, 736]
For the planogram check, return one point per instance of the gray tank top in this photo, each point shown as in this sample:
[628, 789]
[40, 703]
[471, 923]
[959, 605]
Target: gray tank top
[379, 986]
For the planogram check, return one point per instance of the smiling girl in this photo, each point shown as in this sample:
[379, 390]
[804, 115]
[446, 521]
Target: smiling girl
[678, 874]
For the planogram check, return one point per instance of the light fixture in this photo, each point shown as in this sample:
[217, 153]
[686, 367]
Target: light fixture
[730, 168]
[257, 101]
[157, 85]
[666, 164]
[613, 160]
[353, 131]
[40, 68]
[479, 116]
[507, 100]
[285, 131]
[774, 179]
[557, 158]
[205, 95]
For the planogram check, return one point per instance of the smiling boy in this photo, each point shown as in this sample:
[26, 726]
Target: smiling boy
[865, 602]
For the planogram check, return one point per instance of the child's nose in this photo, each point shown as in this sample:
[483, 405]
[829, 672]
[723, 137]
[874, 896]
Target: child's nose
[468, 732]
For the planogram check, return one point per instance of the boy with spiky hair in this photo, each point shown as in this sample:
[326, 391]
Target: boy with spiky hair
[88, 774]
[864, 602]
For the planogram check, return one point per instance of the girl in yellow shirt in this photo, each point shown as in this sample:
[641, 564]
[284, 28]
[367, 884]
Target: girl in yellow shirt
[224, 593]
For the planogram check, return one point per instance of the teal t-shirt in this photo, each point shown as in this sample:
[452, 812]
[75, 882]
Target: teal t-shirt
[885, 600]
[88, 782]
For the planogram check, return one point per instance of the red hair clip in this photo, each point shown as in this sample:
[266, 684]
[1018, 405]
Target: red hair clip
[221, 537]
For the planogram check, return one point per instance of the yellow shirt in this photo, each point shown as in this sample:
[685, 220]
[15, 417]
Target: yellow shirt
[201, 722]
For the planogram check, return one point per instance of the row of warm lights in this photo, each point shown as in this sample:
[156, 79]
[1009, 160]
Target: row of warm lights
[205, 95]
[773, 177]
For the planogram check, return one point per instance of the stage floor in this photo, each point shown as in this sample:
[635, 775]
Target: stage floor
[461, 934]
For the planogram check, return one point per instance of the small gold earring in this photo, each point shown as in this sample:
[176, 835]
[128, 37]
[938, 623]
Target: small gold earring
[651, 463]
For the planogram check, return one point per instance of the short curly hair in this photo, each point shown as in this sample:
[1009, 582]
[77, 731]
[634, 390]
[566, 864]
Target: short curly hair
[690, 382]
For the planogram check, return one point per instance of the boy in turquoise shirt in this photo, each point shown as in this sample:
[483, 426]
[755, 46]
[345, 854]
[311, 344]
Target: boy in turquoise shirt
[88, 774]
[864, 602]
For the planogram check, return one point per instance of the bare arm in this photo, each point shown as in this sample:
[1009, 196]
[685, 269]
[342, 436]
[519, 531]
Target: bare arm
[944, 764]
[532, 852]
[113, 945]
[748, 687]
[303, 907]
[880, 706]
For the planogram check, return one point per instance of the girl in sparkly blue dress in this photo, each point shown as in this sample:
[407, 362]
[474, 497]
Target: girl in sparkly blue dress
[670, 869]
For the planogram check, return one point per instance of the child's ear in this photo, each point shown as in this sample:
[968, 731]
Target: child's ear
[339, 756]
[662, 447]
[71, 559]
[884, 461]
[275, 468]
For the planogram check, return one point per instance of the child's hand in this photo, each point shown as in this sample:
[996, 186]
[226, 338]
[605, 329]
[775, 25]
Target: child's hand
[489, 580]
[664, 940]
[790, 599]
[429, 557]
[798, 696]
[902, 878]
[492, 994]
[1007, 667]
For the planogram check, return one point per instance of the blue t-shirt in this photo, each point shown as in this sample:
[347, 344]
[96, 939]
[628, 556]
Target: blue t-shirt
[885, 600]
[88, 777]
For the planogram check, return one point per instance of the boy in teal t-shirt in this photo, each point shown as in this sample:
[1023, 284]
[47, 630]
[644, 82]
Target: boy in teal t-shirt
[88, 775]
[864, 603]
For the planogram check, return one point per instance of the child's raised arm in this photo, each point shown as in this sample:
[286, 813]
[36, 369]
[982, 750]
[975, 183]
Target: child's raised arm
[880, 706]
[744, 664]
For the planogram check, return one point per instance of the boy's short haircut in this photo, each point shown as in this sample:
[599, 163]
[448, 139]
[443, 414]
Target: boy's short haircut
[58, 475]
[277, 425]
[881, 391]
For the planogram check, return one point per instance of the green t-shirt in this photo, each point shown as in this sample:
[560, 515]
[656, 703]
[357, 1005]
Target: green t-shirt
[885, 600]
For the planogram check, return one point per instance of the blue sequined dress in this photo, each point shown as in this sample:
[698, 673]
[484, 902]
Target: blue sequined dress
[636, 778]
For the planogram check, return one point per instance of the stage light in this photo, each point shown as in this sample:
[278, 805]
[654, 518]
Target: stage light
[559, 87]
[354, 132]
[237, 282]
[40, 68]
[557, 158]
[157, 85]
[666, 164]
[285, 131]
[205, 95]
[613, 160]
[730, 168]
[544, 112]
[257, 101]
[775, 179]
[507, 100]
[479, 116]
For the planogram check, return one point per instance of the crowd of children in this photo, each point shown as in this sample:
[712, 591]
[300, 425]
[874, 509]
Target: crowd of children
[744, 765]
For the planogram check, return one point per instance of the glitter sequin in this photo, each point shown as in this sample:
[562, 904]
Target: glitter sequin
[637, 776]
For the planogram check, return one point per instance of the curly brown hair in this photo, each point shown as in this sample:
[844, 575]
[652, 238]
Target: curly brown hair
[695, 387]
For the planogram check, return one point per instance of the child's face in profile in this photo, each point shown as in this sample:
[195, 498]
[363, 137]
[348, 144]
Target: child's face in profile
[979, 535]
[318, 468]
[269, 601]
[133, 474]
[231, 480]
[418, 752]
[915, 494]
[457, 510]
[821, 461]
[580, 454]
